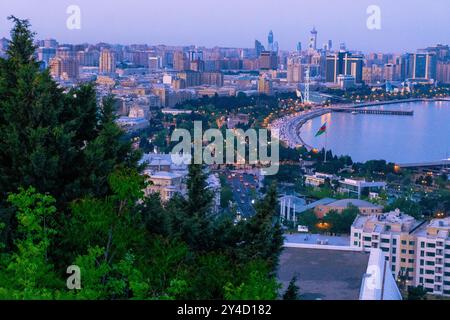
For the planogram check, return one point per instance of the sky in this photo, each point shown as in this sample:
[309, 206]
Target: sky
[406, 25]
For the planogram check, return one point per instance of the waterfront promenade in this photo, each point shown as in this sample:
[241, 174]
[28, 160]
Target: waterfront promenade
[288, 129]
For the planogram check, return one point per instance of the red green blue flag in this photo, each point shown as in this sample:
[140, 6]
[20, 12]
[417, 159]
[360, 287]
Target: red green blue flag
[322, 130]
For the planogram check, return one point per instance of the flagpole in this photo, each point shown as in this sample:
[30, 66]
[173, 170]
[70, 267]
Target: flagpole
[326, 143]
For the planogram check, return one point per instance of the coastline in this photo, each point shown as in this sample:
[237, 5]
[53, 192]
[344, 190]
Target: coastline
[290, 133]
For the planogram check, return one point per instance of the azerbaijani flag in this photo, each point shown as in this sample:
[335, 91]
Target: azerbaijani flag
[322, 130]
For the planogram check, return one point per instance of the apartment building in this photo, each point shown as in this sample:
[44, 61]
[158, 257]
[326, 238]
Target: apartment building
[419, 251]
[433, 257]
[392, 232]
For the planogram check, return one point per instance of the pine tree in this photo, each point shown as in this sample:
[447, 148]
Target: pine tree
[292, 290]
[262, 234]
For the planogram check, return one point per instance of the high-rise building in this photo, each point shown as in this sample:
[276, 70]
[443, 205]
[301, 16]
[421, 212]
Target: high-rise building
[107, 62]
[443, 72]
[295, 70]
[64, 68]
[154, 63]
[419, 66]
[180, 61]
[344, 63]
[50, 43]
[212, 78]
[418, 251]
[330, 45]
[45, 54]
[313, 39]
[270, 41]
[258, 48]
[299, 47]
[265, 84]
[268, 60]
[191, 78]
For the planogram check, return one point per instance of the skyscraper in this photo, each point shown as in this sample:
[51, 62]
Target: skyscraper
[299, 47]
[419, 66]
[258, 48]
[343, 63]
[107, 62]
[313, 39]
[270, 41]
[268, 60]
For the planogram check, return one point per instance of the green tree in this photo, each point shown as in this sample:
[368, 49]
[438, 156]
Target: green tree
[27, 273]
[417, 293]
[262, 235]
[292, 292]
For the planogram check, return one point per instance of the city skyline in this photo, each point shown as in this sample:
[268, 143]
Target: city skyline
[179, 23]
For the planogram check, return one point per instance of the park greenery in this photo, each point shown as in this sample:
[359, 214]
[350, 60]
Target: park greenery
[71, 193]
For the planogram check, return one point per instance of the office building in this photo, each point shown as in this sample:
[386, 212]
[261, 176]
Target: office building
[268, 60]
[421, 66]
[443, 72]
[45, 54]
[270, 41]
[358, 188]
[313, 39]
[344, 63]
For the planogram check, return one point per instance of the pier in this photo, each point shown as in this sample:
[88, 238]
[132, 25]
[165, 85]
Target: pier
[375, 111]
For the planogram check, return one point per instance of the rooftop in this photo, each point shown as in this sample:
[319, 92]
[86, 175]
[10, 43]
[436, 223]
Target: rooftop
[391, 222]
[323, 274]
[357, 203]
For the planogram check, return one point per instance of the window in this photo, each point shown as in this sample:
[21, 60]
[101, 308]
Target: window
[429, 272]
[421, 262]
[430, 254]
[411, 251]
[356, 235]
[421, 271]
[394, 242]
[403, 251]
[430, 263]
[431, 245]
[429, 281]
[385, 249]
[367, 238]
[355, 243]
[404, 242]
[411, 243]
[403, 260]
[394, 259]
[385, 240]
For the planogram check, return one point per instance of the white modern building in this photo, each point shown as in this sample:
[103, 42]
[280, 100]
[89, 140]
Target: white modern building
[360, 187]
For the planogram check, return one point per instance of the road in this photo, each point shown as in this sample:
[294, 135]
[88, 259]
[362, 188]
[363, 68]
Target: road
[244, 188]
